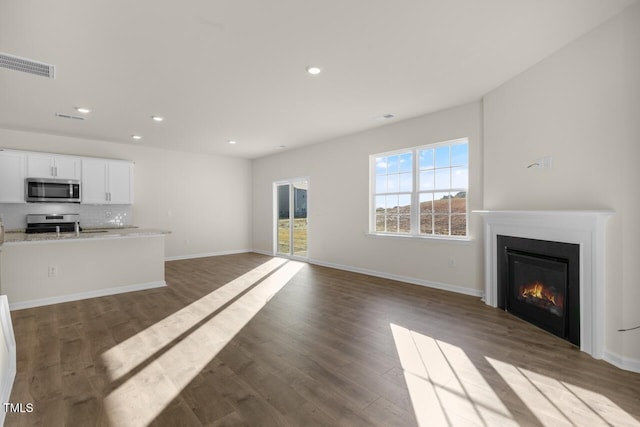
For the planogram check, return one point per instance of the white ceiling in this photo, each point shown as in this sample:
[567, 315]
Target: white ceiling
[235, 69]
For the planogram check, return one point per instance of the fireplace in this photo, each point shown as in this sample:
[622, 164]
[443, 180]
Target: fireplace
[539, 282]
[586, 229]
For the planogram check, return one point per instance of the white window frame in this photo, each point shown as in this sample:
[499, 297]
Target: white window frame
[415, 194]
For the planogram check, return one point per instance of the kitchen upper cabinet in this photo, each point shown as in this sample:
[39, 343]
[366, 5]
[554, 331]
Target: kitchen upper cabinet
[52, 166]
[107, 182]
[120, 182]
[12, 175]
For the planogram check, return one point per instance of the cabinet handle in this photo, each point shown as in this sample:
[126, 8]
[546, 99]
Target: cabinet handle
[106, 196]
[56, 168]
[53, 171]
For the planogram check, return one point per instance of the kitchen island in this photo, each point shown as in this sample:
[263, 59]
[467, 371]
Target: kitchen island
[48, 268]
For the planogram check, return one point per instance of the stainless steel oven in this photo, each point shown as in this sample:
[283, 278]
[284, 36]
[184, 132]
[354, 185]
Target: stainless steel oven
[52, 190]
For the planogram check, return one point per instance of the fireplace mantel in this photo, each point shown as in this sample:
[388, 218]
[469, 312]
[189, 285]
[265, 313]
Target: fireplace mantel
[582, 227]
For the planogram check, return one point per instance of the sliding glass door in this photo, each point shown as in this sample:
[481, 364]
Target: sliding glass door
[291, 217]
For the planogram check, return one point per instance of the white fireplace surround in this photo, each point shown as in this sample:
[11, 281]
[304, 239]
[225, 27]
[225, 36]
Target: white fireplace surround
[585, 228]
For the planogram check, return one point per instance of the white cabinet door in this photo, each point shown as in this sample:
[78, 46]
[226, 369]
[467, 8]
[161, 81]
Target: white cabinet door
[40, 166]
[51, 166]
[107, 182]
[12, 175]
[94, 181]
[67, 167]
[120, 183]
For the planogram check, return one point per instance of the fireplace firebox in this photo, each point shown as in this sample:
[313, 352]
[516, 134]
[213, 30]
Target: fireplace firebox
[539, 282]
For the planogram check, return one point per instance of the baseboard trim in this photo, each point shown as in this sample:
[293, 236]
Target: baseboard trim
[261, 252]
[86, 295]
[405, 279]
[207, 254]
[621, 362]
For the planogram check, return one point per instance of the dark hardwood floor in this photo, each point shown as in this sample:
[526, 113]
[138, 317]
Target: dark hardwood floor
[253, 340]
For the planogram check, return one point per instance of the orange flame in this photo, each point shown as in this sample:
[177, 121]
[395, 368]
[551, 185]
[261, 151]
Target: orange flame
[537, 290]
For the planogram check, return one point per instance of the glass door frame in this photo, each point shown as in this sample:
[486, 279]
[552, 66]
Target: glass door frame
[276, 215]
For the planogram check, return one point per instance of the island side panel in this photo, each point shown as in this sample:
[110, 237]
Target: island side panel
[40, 273]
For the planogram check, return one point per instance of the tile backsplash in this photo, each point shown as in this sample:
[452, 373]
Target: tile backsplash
[14, 215]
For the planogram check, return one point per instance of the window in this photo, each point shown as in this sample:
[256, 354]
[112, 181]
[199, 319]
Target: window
[421, 191]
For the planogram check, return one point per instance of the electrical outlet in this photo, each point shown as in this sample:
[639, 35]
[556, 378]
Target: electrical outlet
[53, 271]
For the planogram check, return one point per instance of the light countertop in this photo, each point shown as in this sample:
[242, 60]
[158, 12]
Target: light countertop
[15, 237]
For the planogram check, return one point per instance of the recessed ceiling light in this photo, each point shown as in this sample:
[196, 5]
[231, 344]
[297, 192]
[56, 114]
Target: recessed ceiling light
[136, 137]
[83, 110]
[231, 141]
[157, 118]
[313, 70]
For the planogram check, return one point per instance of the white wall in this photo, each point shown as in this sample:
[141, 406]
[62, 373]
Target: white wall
[204, 200]
[338, 173]
[582, 107]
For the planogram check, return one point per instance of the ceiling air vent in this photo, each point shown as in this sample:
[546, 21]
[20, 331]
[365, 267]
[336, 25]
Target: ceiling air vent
[27, 66]
[69, 116]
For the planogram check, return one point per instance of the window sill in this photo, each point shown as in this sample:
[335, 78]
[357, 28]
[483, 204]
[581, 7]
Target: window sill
[466, 240]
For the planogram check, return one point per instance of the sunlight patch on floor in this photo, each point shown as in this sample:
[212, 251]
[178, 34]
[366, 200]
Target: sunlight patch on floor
[127, 355]
[559, 403]
[444, 385]
[143, 396]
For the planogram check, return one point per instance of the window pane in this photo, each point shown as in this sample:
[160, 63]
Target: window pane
[460, 155]
[404, 202]
[459, 177]
[443, 179]
[392, 164]
[392, 223]
[283, 236]
[392, 204]
[380, 204]
[381, 165]
[426, 203]
[426, 224]
[441, 203]
[404, 224]
[426, 159]
[379, 222]
[283, 202]
[393, 184]
[441, 225]
[442, 157]
[458, 225]
[459, 202]
[381, 184]
[406, 162]
[406, 182]
[426, 180]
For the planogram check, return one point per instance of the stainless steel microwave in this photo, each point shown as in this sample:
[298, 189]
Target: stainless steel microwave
[52, 190]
